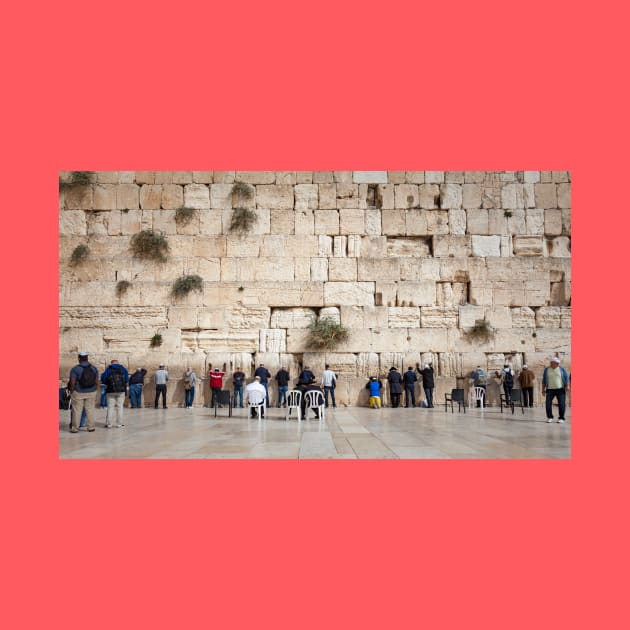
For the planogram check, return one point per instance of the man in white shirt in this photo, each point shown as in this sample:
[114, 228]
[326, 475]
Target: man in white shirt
[329, 382]
[161, 376]
[255, 393]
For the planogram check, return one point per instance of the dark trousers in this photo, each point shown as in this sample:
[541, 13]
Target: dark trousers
[528, 396]
[395, 400]
[561, 395]
[429, 393]
[331, 391]
[216, 396]
[160, 389]
[507, 389]
[410, 394]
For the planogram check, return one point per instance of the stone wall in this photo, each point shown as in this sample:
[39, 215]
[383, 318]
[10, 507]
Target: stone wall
[407, 260]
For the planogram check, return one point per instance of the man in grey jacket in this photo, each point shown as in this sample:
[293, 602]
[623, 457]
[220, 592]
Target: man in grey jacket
[161, 376]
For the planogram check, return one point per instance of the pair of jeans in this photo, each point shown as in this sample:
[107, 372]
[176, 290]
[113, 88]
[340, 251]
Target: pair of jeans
[238, 393]
[330, 390]
[160, 390]
[135, 395]
[410, 394]
[507, 390]
[429, 394]
[282, 394]
[103, 402]
[189, 396]
[561, 396]
[528, 396]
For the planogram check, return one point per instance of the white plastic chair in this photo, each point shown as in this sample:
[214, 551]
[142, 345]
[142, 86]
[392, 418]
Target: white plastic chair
[294, 401]
[314, 400]
[256, 400]
[477, 394]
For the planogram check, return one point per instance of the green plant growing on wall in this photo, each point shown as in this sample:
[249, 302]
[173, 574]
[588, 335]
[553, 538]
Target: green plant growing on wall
[79, 255]
[481, 332]
[150, 245]
[326, 333]
[183, 216]
[507, 213]
[242, 220]
[122, 287]
[185, 284]
[156, 340]
[75, 178]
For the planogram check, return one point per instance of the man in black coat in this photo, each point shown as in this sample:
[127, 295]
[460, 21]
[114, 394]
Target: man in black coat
[428, 381]
[395, 386]
[409, 379]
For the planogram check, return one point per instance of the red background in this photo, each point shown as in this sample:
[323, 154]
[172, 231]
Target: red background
[343, 85]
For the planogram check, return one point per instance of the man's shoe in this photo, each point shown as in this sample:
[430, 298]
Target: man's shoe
[560, 420]
[108, 426]
[90, 430]
[74, 430]
[120, 425]
[549, 420]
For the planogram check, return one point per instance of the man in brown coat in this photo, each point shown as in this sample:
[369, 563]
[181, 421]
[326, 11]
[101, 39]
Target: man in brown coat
[526, 379]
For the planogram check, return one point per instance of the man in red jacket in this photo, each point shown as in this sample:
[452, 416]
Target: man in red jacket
[216, 385]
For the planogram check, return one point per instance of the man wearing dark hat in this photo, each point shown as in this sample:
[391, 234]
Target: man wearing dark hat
[83, 383]
[395, 386]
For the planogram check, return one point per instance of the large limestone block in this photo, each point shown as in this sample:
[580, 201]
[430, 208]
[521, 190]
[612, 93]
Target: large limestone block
[393, 222]
[531, 177]
[221, 196]
[304, 177]
[560, 293]
[209, 248]
[480, 294]
[373, 221]
[469, 314]
[78, 197]
[322, 177]
[377, 268]
[292, 317]
[326, 222]
[319, 269]
[535, 221]
[278, 269]
[274, 197]
[499, 317]
[512, 196]
[553, 317]
[297, 340]
[344, 269]
[374, 246]
[352, 316]
[214, 317]
[457, 221]
[523, 317]
[273, 245]
[434, 177]
[255, 177]
[132, 222]
[342, 177]
[151, 197]
[546, 196]
[528, 245]
[375, 316]
[283, 222]
[427, 340]
[477, 221]
[273, 340]
[422, 293]
[73, 340]
[553, 222]
[306, 197]
[112, 316]
[403, 317]
[459, 246]
[286, 178]
[208, 268]
[515, 270]
[486, 246]
[199, 177]
[196, 196]
[299, 246]
[498, 221]
[454, 177]
[164, 221]
[564, 195]
[507, 294]
[429, 195]
[340, 246]
[222, 341]
[243, 246]
[474, 177]
[385, 197]
[184, 317]
[439, 316]
[348, 195]
[471, 196]
[181, 177]
[211, 222]
[105, 196]
[367, 364]
[555, 341]
[451, 293]
[351, 221]
[407, 247]
[72, 222]
[162, 177]
[330, 312]
[416, 222]
[406, 196]
[354, 246]
[242, 317]
[369, 177]
[327, 196]
[559, 247]
[291, 293]
[172, 196]
[437, 222]
[414, 177]
[349, 293]
[451, 196]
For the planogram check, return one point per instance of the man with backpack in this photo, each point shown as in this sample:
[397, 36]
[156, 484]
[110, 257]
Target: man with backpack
[507, 379]
[82, 384]
[115, 379]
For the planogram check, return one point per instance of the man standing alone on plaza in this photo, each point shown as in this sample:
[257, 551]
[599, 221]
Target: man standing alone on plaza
[526, 380]
[555, 384]
[115, 378]
[161, 377]
[329, 382]
[83, 383]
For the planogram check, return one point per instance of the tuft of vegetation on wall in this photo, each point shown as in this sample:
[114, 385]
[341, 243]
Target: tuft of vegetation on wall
[150, 245]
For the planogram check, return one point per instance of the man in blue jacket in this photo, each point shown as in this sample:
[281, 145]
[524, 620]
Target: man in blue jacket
[115, 378]
[409, 379]
[555, 384]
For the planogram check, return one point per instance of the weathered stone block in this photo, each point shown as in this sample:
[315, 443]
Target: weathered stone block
[394, 222]
[182, 177]
[416, 222]
[439, 316]
[304, 222]
[434, 177]
[299, 246]
[319, 269]
[369, 177]
[286, 178]
[196, 196]
[421, 293]
[429, 195]
[546, 196]
[306, 197]
[523, 317]
[451, 196]
[243, 246]
[405, 247]
[414, 177]
[469, 314]
[282, 222]
[211, 223]
[535, 222]
[127, 197]
[454, 177]
[403, 317]
[344, 269]
[458, 246]
[172, 196]
[471, 196]
[385, 197]
[340, 246]
[326, 222]
[348, 196]
[377, 268]
[457, 221]
[292, 318]
[560, 293]
[278, 269]
[559, 247]
[327, 196]
[553, 222]
[302, 270]
[558, 177]
[278, 197]
[349, 293]
[273, 340]
[255, 177]
[72, 222]
[480, 294]
[220, 195]
[486, 246]
[322, 177]
[406, 196]
[428, 339]
[531, 177]
[564, 195]
[528, 245]
[304, 177]
[512, 197]
[477, 221]
[342, 177]
[352, 221]
[78, 197]
[474, 177]
[354, 246]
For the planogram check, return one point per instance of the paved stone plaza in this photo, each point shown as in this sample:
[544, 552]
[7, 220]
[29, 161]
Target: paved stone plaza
[346, 433]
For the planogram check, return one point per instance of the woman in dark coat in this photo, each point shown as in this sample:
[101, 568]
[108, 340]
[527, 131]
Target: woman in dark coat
[395, 386]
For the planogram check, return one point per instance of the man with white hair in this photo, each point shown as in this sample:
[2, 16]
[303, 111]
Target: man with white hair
[256, 393]
[555, 384]
[526, 380]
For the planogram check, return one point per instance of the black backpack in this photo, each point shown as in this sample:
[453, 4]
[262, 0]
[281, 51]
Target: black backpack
[87, 379]
[115, 382]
